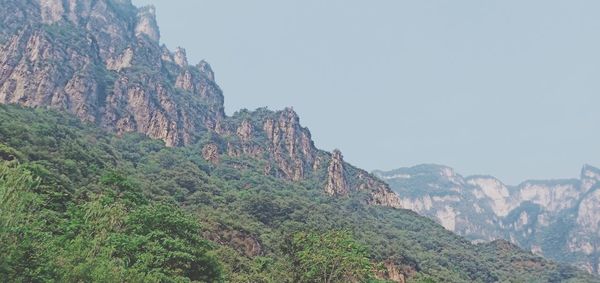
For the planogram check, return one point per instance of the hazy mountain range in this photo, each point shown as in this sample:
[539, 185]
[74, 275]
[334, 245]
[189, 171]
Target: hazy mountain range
[554, 218]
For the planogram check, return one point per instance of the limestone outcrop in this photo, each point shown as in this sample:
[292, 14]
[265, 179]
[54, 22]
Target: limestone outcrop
[102, 61]
[336, 179]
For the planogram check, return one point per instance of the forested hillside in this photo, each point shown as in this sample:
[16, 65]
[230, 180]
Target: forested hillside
[80, 204]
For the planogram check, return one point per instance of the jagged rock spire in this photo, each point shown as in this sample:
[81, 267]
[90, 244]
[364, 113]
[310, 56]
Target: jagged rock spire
[146, 23]
[206, 70]
[180, 57]
[336, 180]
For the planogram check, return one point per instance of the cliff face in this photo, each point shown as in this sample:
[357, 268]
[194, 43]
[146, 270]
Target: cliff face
[336, 181]
[101, 60]
[279, 138]
[558, 219]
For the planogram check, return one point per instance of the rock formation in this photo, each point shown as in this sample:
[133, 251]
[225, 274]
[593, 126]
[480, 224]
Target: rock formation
[87, 58]
[146, 23]
[290, 145]
[210, 153]
[102, 61]
[244, 131]
[336, 179]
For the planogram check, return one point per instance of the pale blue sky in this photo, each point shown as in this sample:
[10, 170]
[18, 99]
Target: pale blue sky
[509, 88]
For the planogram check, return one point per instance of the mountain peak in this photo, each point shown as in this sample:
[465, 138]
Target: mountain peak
[146, 23]
[589, 171]
[180, 57]
[206, 70]
[113, 71]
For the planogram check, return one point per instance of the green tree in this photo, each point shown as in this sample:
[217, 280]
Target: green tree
[21, 234]
[333, 256]
[165, 240]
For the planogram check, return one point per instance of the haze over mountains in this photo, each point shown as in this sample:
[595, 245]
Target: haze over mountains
[554, 218]
[119, 164]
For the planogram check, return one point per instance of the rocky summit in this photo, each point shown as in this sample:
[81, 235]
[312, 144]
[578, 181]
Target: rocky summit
[102, 61]
[554, 218]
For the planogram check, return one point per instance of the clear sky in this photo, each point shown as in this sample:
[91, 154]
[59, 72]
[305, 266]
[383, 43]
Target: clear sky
[508, 88]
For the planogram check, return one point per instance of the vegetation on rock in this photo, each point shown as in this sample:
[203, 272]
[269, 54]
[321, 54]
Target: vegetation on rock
[80, 204]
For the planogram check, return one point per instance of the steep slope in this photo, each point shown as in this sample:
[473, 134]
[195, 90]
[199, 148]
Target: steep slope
[101, 60]
[249, 217]
[555, 218]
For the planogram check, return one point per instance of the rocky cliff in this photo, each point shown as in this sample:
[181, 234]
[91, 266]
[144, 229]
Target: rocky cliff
[555, 218]
[102, 61]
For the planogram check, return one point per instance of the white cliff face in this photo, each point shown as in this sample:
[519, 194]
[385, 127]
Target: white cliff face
[522, 221]
[447, 217]
[552, 198]
[587, 216]
[450, 175]
[419, 205]
[559, 218]
[494, 192]
[585, 237]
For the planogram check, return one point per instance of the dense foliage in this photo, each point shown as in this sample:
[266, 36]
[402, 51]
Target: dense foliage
[79, 204]
[330, 257]
[114, 236]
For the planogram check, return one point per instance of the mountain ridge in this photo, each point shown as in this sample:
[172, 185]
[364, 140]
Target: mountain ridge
[254, 178]
[249, 217]
[113, 71]
[483, 208]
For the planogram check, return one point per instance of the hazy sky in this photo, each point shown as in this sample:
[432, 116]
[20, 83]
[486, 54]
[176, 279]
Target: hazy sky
[507, 88]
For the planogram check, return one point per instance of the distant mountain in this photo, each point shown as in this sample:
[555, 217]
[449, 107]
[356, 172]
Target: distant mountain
[558, 219]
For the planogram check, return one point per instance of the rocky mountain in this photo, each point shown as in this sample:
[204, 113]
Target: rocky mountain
[252, 179]
[102, 61]
[555, 218]
[102, 208]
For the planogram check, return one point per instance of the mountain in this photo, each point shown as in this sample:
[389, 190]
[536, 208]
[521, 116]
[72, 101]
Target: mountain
[118, 164]
[554, 218]
[102, 61]
[81, 204]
